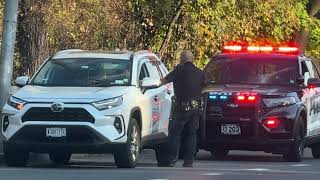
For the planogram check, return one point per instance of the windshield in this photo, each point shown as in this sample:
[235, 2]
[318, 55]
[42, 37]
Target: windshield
[84, 72]
[235, 70]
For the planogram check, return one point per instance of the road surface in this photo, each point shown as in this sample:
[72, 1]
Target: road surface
[238, 166]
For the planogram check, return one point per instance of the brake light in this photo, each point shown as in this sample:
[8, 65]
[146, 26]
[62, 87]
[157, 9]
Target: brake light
[271, 122]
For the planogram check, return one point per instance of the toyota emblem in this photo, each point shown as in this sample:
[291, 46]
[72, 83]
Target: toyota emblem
[57, 107]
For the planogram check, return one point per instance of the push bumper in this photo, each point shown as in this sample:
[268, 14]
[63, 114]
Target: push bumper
[276, 146]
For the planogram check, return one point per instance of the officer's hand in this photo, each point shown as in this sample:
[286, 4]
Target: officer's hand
[163, 81]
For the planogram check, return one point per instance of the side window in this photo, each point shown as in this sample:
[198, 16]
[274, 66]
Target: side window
[144, 72]
[312, 70]
[316, 70]
[153, 70]
[305, 72]
[162, 69]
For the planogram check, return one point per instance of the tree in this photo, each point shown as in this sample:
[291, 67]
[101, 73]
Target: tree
[32, 39]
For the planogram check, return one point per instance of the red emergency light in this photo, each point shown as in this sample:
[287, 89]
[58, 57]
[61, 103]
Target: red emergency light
[243, 47]
[246, 97]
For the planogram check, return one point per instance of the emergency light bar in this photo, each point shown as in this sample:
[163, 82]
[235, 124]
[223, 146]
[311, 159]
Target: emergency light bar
[247, 48]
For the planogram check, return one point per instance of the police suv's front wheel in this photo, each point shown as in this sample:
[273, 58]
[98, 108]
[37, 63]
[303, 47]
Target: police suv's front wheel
[295, 153]
[127, 155]
[16, 158]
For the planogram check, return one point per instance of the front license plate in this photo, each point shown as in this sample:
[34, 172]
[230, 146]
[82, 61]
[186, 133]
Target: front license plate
[230, 129]
[56, 132]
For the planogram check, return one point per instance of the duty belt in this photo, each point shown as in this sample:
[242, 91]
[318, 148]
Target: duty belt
[192, 105]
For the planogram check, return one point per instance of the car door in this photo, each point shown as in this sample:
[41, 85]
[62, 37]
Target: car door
[315, 101]
[156, 98]
[149, 101]
[166, 96]
[167, 93]
[311, 97]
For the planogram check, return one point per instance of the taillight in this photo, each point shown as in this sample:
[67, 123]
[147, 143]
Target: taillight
[271, 122]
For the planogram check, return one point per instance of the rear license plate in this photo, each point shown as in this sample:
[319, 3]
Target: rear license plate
[230, 129]
[56, 132]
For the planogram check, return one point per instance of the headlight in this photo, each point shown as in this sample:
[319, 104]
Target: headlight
[107, 104]
[279, 102]
[16, 103]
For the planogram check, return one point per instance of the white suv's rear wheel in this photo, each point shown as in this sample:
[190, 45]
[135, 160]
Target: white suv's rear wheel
[127, 156]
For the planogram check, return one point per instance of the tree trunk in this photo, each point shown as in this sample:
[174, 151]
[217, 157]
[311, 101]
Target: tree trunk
[32, 35]
[313, 9]
[170, 29]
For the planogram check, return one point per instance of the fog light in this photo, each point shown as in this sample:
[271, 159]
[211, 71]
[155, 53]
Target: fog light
[117, 124]
[271, 122]
[5, 123]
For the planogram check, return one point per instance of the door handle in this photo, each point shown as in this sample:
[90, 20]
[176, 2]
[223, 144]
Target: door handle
[156, 98]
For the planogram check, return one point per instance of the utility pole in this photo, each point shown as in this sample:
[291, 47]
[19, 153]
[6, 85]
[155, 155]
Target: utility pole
[7, 51]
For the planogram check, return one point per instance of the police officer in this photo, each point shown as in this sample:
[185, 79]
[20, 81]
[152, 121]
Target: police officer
[188, 82]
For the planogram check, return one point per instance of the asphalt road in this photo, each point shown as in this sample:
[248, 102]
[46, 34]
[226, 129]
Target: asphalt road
[238, 166]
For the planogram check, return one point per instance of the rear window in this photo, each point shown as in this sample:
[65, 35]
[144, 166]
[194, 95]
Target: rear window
[249, 70]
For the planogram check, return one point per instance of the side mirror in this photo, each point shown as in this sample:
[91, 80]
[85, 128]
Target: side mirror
[22, 81]
[149, 83]
[313, 82]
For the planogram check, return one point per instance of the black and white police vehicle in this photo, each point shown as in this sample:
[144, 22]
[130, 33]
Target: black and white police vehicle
[262, 98]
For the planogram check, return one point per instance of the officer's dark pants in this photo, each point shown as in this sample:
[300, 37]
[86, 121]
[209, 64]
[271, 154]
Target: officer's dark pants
[188, 122]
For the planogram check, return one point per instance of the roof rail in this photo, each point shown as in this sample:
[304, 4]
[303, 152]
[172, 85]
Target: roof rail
[66, 51]
[142, 51]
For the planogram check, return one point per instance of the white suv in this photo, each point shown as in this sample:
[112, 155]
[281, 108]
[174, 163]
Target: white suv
[88, 102]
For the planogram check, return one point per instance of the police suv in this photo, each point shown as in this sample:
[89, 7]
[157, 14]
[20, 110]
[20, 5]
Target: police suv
[88, 102]
[262, 98]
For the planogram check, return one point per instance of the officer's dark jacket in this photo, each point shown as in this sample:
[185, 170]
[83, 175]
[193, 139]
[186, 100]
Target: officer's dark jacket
[188, 82]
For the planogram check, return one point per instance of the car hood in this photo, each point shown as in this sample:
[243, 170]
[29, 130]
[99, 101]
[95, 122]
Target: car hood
[68, 94]
[261, 89]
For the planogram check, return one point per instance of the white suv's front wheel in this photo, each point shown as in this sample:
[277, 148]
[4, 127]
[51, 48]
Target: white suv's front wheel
[16, 158]
[127, 155]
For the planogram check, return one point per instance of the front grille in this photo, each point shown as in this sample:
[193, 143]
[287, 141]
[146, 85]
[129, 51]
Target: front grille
[75, 134]
[67, 115]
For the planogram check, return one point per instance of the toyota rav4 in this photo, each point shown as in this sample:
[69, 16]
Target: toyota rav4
[88, 102]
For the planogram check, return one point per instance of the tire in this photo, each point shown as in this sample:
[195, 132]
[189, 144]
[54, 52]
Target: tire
[16, 159]
[162, 154]
[220, 154]
[127, 155]
[61, 158]
[295, 153]
[316, 151]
